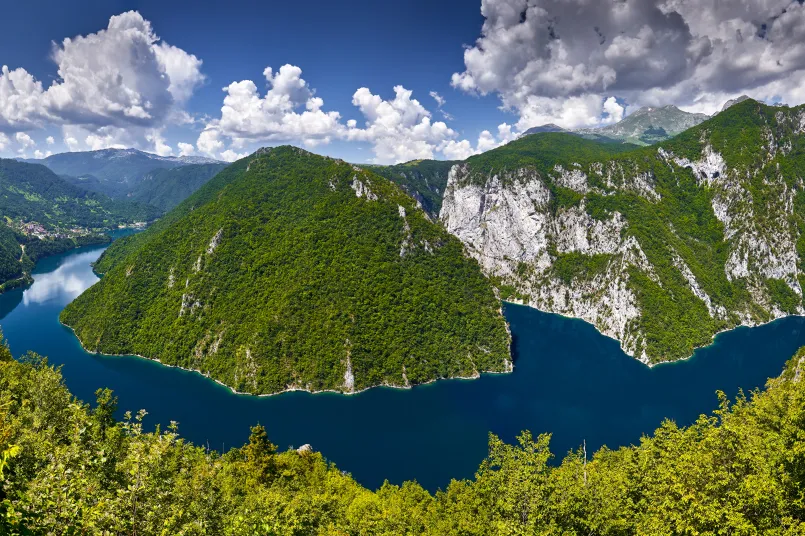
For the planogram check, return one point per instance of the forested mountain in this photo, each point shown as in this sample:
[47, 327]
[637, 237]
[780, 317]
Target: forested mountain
[424, 180]
[659, 247]
[113, 172]
[32, 192]
[67, 468]
[293, 271]
[166, 188]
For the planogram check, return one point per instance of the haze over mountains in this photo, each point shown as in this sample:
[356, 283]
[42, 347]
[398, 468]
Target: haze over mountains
[114, 172]
[645, 126]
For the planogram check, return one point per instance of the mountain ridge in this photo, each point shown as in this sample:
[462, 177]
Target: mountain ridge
[659, 247]
[293, 271]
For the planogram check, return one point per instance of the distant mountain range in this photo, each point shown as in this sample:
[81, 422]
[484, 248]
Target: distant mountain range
[646, 126]
[114, 172]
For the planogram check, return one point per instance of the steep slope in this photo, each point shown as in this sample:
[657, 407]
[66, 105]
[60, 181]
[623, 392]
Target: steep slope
[166, 188]
[32, 192]
[293, 271]
[659, 247]
[647, 125]
[113, 172]
[424, 180]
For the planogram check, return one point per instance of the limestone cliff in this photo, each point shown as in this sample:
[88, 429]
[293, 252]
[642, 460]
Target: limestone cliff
[659, 247]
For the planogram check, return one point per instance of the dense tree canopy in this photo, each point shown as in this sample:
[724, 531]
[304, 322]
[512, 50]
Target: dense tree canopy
[291, 270]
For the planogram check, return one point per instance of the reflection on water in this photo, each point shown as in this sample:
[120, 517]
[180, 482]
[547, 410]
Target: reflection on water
[569, 380]
[65, 283]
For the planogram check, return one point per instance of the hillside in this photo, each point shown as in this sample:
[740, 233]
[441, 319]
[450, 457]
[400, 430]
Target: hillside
[166, 188]
[293, 271]
[658, 247]
[113, 172]
[424, 180]
[32, 192]
[68, 468]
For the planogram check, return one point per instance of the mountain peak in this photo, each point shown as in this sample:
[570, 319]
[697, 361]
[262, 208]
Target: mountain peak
[733, 102]
[549, 127]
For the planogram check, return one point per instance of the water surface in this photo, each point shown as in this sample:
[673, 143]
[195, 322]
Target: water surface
[569, 380]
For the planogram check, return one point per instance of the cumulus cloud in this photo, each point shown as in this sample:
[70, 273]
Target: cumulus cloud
[4, 141]
[50, 140]
[185, 149]
[288, 111]
[158, 141]
[565, 61]
[122, 77]
[399, 129]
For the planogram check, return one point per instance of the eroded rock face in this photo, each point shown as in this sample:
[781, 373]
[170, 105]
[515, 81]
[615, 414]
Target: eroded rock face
[508, 221]
[510, 229]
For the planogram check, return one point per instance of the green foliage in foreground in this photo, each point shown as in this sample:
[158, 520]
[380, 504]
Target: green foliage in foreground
[67, 468]
[424, 180]
[32, 192]
[276, 274]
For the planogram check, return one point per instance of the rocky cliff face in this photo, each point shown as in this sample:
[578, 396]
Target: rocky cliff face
[677, 241]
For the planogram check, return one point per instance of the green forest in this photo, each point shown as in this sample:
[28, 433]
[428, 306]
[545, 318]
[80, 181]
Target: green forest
[70, 468]
[291, 270]
[424, 180]
[32, 192]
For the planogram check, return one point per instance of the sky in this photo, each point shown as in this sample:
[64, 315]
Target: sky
[372, 81]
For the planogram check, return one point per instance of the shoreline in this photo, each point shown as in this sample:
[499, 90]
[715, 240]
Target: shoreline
[234, 391]
[652, 365]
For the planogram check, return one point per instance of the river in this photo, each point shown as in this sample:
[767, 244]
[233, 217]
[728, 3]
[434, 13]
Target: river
[568, 380]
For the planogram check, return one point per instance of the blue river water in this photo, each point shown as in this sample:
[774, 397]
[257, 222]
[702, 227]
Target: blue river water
[569, 380]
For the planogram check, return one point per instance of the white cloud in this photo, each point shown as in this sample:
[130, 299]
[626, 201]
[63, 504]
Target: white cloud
[20, 100]
[438, 98]
[230, 156]
[186, 149]
[399, 129]
[4, 141]
[25, 142]
[40, 155]
[565, 61]
[121, 78]
[159, 146]
[50, 140]
[276, 116]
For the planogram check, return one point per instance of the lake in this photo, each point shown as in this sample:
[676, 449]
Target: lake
[568, 380]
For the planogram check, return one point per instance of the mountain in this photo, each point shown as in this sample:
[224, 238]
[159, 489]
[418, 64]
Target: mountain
[424, 180]
[167, 187]
[733, 102]
[113, 172]
[33, 193]
[289, 270]
[647, 126]
[550, 127]
[659, 247]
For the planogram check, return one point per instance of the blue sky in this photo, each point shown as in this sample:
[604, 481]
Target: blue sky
[340, 46]
[150, 74]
